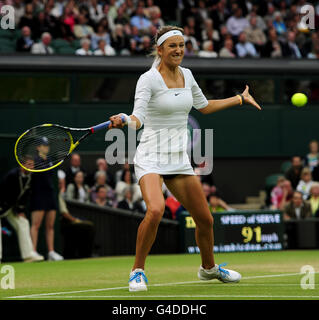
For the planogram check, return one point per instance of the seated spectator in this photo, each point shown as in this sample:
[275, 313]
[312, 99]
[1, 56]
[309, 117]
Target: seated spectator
[140, 21]
[77, 190]
[127, 181]
[293, 174]
[25, 42]
[100, 34]
[297, 208]
[68, 18]
[189, 49]
[214, 203]
[78, 235]
[135, 35]
[122, 17]
[255, 35]
[101, 197]
[145, 47]
[82, 29]
[45, 23]
[236, 24]
[244, 48]
[85, 48]
[208, 50]
[119, 173]
[28, 18]
[290, 48]
[120, 41]
[43, 47]
[305, 183]
[227, 50]
[315, 52]
[209, 33]
[277, 193]
[128, 204]
[272, 48]
[100, 178]
[259, 20]
[172, 204]
[314, 199]
[101, 165]
[189, 37]
[279, 24]
[288, 192]
[312, 158]
[75, 166]
[155, 18]
[104, 49]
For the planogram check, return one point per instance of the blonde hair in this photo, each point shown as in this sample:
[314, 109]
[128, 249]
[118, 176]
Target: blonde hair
[305, 170]
[160, 32]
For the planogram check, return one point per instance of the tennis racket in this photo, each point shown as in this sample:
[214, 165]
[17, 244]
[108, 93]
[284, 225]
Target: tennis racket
[46, 146]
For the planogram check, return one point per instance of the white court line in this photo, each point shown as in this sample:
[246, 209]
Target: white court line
[183, 296]
[39, 295]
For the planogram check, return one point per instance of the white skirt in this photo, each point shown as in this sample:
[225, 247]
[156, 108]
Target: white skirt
[163, 164]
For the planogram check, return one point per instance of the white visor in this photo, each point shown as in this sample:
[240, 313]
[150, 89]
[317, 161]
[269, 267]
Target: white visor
[168, 34]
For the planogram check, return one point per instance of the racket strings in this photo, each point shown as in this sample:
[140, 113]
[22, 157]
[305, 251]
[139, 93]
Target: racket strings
[45, 145]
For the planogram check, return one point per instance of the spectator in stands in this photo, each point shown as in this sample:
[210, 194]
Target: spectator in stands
[77, 190]
[100, 34]
[314, 54]
[75, 166]
[101, 197]
[260, 23]
[236, 24]
[227, 49]
[78, 235]
[193, 27]
[14, 197]
[28, 18]
[120, 41]
[244, 48]
[255, 35]
[25, 42]
[208, 50]
[287, 194]
[100, 180]
[128, 204]
[145, 47]
[189, 37]
[43, 47]
[135, 35]
[312, 158]
[189, 49]
[122, 17]
[104, 49]
[220, 14]
[45, 23]
[155, 18]
[85, 48]
[68, 17]
[127, 181]
[297, 208]
[140, 21]
[119, 173]
[279, 24]
[43, 202]
[96, 11]
[314, 199]
[293, 174]
[305, 183]
[58, 8]
[18, 6]
[209, 33]
[277, 193]
[214, 203]
[290, 48]
[272, 48]
[82, 29]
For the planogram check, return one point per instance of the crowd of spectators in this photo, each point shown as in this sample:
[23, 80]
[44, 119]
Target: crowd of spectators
[213, 28]
[297, 191]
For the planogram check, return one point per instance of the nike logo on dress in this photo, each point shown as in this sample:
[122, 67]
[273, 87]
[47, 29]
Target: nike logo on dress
[176, 94]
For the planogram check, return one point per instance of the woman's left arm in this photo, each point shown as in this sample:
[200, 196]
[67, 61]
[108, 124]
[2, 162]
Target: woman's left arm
[218, 105]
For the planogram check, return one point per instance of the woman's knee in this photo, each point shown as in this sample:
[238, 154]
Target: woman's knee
[155, 212]
[206, 221]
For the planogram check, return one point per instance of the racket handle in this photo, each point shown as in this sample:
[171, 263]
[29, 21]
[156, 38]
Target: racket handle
[104, 125]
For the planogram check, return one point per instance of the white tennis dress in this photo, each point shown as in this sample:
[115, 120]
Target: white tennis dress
[164, 113]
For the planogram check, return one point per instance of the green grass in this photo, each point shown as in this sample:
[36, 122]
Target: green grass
[170, 277]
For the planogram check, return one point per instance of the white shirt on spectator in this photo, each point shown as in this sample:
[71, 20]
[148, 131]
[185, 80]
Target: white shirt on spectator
[82, 52]
[236, 25]
[108, 51]
[40, 48]
[207, 54]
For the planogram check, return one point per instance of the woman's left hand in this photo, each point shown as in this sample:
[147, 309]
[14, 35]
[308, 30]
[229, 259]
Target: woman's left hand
[249, 99]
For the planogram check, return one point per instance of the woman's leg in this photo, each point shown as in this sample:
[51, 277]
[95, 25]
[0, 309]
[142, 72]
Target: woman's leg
[36, 220]
[49, 229]
[188, 191]
[151, 187]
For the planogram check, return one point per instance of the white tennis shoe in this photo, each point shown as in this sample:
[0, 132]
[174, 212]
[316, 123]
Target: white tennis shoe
[138, 280]
[219, 273]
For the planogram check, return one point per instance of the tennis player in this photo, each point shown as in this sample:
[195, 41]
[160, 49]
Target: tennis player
[164, 97]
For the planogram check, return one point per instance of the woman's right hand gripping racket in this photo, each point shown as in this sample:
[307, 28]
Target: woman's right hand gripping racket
[46, 146]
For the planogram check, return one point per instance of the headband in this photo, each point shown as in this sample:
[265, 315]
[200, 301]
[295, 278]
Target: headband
[168, 34]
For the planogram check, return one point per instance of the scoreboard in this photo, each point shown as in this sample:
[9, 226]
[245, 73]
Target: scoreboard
[237, 231]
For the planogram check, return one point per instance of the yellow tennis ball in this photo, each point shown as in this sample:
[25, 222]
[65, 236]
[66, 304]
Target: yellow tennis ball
[299, 99]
